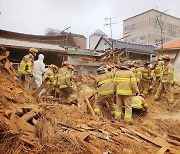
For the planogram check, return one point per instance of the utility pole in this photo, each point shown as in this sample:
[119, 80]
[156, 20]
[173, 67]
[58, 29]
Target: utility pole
[66, 33]
[160, 23]
[110, 25]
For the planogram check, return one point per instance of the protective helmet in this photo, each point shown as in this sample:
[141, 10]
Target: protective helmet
[166, 57]
[126, 63]
[101, 70]
[65, 63]
[146, 63]
[71, 67]
[33, 50]
[52, 66]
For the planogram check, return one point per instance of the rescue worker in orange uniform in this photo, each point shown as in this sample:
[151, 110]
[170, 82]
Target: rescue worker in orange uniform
[51, 75]
[167, 80]
[26, 68]
[126, 87]
[105, 90]
[146, 78]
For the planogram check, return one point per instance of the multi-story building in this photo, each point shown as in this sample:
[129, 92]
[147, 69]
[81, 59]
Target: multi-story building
[151, 28]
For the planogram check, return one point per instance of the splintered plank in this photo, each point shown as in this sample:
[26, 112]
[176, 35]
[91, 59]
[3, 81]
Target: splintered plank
[28, 115]
[22, 124]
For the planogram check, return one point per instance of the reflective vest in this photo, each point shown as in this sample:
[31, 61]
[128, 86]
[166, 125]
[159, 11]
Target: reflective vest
[105, 84]
[51, 75]
[125, 82]
[26, 65]
[158, 71]
[168, 74]
[64, 80]
[146, 74]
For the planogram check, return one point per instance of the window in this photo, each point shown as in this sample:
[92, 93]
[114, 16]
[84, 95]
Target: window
[143, 39]
[172, 30]
[159, 24]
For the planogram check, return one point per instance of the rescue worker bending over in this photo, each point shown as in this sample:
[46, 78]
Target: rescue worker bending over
[167, 80]
[146, 78]
[26, 68]
[126, 87]
[51, 75]
[64, 83]
[139, 102]
[105, 90]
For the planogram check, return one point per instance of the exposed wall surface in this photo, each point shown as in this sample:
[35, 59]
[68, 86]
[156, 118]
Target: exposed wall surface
[144, 28]
[81, 42]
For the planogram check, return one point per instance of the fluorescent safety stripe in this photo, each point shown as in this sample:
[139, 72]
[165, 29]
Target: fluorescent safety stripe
[117, 113]
[139, 73]
[145, 74]
[170, 71]
[73, 96]
[156, 97]
[171, 100]
[133, 79]
[137, 106]
[145, 92]
[63, 86]
[105, 92]
[104, 81]
[96, 110]
[129, 116]
[126, 92]
[122, 79]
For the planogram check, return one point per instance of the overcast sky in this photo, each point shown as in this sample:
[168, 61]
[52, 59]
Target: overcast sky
[84, 16]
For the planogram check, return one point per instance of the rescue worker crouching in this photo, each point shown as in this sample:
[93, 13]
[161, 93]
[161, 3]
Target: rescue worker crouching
[126, 87]
[50, 75]
[105, 90]
[26, 68]
[166, 81]
[139, 102]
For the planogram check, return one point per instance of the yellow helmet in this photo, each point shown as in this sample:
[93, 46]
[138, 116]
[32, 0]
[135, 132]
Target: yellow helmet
[166, 57]
[52, 66]
[65, 63]
[71, 67]
[33, 50]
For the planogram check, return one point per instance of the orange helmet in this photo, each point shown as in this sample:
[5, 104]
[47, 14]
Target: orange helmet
[52, 66]
[33, 50]
[166, 57]
[71, 67]
[65, 63]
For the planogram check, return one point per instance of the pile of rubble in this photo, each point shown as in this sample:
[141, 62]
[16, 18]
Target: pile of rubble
[46, 125]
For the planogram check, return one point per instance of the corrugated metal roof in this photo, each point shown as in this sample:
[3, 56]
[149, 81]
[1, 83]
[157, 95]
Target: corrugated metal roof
[83, 52]
[26, 44]
[147, 49]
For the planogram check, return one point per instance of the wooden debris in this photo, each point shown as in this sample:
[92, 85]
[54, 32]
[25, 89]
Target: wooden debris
[84, 136]
[89, 106]
[156, 134]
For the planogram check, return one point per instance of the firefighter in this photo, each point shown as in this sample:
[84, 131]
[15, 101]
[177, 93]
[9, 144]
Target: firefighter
[146, 78]
[126, 87]
[136, 69]
[139, 102]
[64, 83]
[167, 80]
[158, 71]
[51, 75]
[105, 90]
[26, 68]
